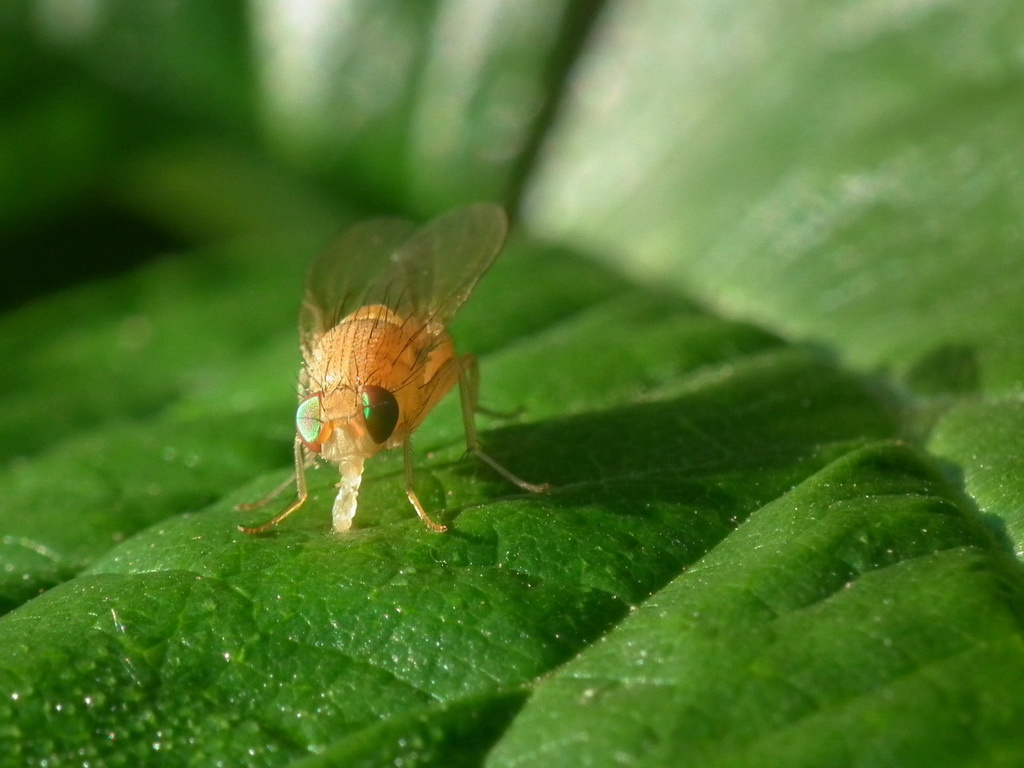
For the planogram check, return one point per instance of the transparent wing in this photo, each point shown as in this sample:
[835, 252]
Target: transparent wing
[429, 272]
[343, 277]
[439, 266]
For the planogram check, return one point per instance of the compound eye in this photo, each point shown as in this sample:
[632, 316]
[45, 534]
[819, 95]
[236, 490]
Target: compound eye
[380, 412]
[313, 432]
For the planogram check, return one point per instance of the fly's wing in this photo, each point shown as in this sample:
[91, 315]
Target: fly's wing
[438, 267]
[350, 273]
[427, 273]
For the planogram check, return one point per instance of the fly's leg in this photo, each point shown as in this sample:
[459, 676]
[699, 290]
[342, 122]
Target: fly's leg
[248, 506]
[302, 463]
[411, 492]
[470, 374]
[469, 382]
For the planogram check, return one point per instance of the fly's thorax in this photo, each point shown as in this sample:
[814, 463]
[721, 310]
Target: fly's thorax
[369, 346]
[375, 348]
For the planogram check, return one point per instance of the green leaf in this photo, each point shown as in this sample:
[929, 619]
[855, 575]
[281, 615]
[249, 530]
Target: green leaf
[978, 440]
[844, 174]
[653, 460]
[870, 566]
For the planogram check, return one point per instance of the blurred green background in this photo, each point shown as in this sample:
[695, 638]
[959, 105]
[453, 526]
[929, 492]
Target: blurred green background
[133, 129]
[828, 172]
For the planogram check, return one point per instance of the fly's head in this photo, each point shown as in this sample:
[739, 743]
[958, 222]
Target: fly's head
[346, 424]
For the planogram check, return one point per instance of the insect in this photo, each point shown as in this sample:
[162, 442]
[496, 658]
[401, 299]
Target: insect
[376, 352]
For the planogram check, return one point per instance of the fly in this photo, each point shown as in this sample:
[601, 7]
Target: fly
[377, 356]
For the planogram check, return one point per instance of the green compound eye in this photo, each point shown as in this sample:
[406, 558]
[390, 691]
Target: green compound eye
[308, 423]
[380, 412]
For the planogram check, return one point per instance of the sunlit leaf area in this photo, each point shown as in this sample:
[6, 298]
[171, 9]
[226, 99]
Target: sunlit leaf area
[756, 327]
